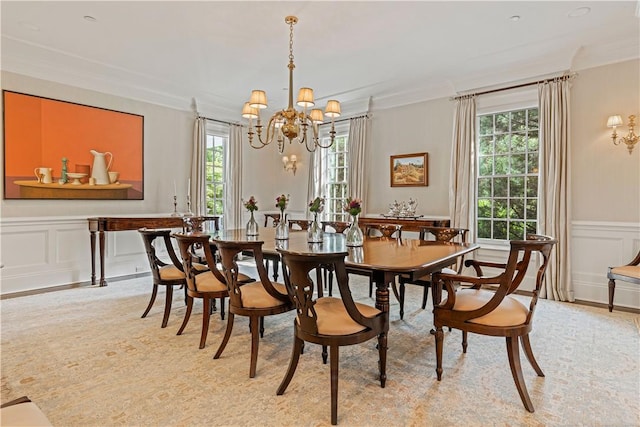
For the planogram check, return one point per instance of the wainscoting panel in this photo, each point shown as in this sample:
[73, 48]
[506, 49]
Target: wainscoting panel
[43, 252]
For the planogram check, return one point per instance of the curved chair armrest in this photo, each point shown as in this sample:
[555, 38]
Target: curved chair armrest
[342, 279]
[448, 281]
[636, 260]
[477, 265]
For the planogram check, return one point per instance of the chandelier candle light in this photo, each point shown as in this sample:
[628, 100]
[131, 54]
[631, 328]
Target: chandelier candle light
[287, 123]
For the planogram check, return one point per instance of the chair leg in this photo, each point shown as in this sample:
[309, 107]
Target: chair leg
[324, 355]
[206, 317]
[370, 286]
[227, 334]
[154, 292]
[382, 354]
[439, 344]
[187, 315]
[293, 364]
[334, 349]
[526, 346]
[401, 299]
[425, 295]
[262, 327]
[222, 308]
[516, 370]
[167, 305]
[464, 340]
[612, 290]
[331, 282]
[255, 341]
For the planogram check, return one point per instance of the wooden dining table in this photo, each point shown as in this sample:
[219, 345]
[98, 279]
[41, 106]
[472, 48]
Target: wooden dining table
[384, 258]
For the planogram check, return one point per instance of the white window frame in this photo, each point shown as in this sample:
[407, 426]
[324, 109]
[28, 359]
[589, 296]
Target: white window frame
[495, 104]
[333, 206]
[221, 133]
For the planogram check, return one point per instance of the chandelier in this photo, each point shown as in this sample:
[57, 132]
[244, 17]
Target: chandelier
[289, 123]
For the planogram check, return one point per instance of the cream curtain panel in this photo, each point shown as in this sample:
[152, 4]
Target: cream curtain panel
[554, 208]
[233, 179]
[462, 186]
[358, 142]
[198, 185]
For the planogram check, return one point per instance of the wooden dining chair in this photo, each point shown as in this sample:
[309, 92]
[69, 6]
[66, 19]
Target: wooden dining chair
[275, 219]
[439, 234]
[163, 273]
[199, 223]
[206, 286]
[495, 312]
[627, 273]
[254, 300]
[328, 321]
[334, 226]
[299, 224]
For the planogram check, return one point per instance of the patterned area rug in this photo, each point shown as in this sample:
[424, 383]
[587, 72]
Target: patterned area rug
[88, 359]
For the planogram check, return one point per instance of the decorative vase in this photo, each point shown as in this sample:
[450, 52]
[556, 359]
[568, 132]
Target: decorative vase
[252, 226]
[314, 233]
[282, 229]
[354, 234]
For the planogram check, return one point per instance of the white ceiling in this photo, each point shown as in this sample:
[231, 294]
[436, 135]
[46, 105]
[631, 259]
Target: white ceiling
[172, 52]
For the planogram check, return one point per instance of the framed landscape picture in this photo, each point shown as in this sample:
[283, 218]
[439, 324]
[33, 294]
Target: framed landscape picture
[409, 170]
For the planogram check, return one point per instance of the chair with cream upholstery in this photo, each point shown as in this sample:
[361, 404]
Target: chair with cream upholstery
[495, 312]
[254, 300]
[22, 412]
[207, 285]
[328, 321]
[439, 234]
[299, 224]
[627, 273]
[163, 274]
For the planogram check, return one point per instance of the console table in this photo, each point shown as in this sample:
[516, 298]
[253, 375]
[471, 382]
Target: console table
[408, 224]
[102, 224]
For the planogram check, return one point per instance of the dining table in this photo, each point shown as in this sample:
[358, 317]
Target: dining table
[384, 258]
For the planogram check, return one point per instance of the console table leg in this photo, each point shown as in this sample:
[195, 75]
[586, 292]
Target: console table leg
[101, 238]
[92, 236]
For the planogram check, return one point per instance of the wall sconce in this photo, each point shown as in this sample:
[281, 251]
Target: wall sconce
[631, 139]
[290, 163]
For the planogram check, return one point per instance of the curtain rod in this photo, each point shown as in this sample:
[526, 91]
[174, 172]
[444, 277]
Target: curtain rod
[216, 120]
[367, 115]
[564, 77]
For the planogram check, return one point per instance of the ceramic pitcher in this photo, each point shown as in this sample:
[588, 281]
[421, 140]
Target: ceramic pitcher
[100, 169]
[43, 175]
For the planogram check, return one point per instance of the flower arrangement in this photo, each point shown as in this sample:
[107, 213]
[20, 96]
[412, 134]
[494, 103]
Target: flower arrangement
[282, 201]
[251, 204]
[353, 206]
[316, 205]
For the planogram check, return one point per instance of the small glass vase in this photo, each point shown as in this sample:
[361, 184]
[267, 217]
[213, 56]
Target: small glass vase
[354, 234]
[252, 226]
[282, 229]
[314, 233]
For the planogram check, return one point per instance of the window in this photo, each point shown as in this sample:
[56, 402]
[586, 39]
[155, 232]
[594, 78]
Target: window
[335, 187]
[507, 181]
[217, 141]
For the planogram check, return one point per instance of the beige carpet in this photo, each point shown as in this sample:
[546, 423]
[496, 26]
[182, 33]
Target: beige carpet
[88, 359]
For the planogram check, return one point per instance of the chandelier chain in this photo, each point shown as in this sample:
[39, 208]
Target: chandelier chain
[291, 41]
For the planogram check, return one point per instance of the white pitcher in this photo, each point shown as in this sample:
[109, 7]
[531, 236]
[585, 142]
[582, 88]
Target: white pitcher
[43, 175]
[100, 169]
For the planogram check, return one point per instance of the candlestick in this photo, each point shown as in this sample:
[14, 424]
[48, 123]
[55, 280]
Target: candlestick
[175, 207]
[175, 189]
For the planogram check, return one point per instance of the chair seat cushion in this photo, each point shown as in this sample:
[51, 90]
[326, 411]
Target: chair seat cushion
[200, 267]
[171, 272]
[207, 282]
[510, 312]
[627, 270]
[333, 318]
[254, 295]
[23, 414]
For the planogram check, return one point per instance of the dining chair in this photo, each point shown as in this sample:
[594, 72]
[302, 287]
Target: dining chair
[299, 224]
[275, 219]
[200, 223]
[206, 286]
[336, 226]
[254, 300]
[328, 321]
[163, 274]
[628, 273]
[439, 234]
[495, 312]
